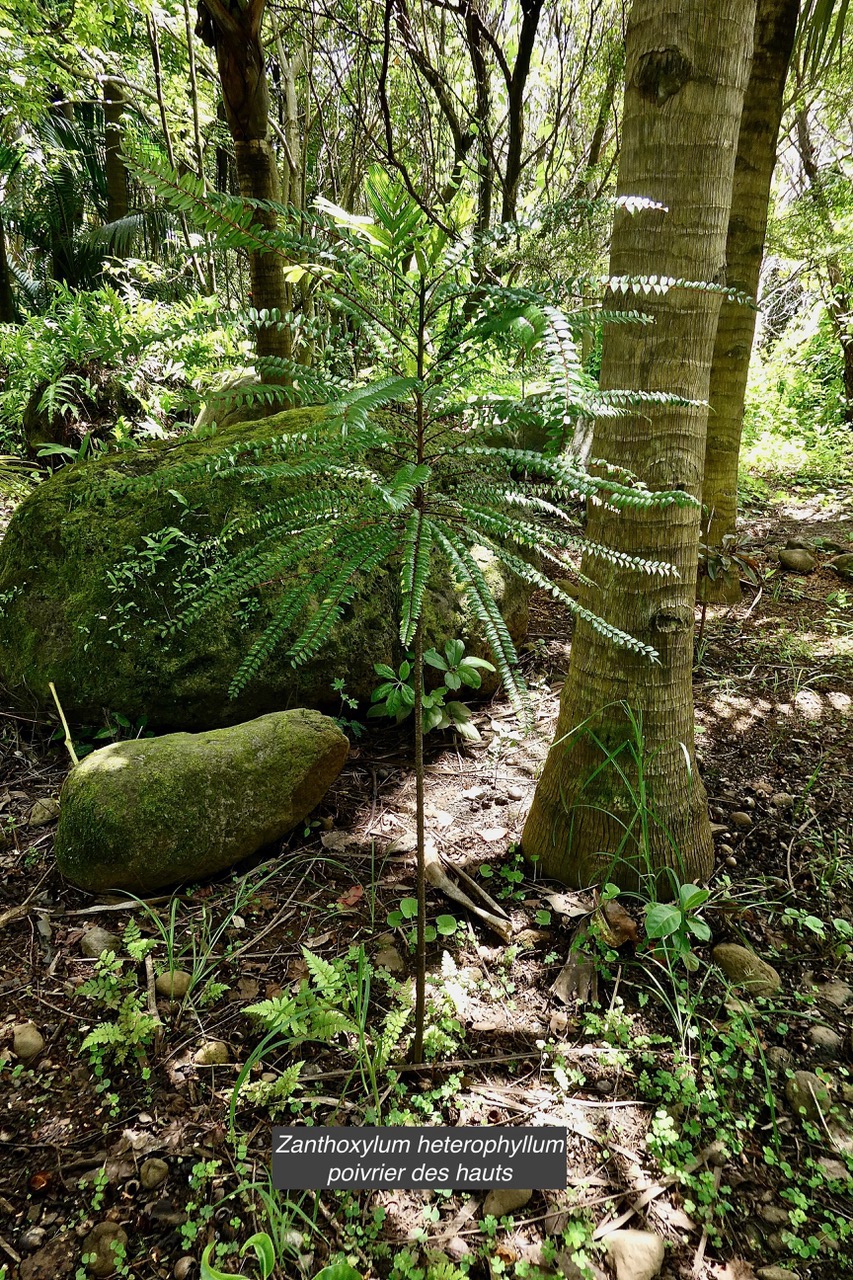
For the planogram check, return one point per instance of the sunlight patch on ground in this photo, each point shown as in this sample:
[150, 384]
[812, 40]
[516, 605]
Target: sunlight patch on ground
[741, 712]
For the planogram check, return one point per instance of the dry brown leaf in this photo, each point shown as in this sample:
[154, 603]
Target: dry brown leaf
[621, 926]
[352, 896]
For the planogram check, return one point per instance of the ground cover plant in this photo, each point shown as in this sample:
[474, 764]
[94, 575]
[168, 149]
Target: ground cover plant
[416, 260]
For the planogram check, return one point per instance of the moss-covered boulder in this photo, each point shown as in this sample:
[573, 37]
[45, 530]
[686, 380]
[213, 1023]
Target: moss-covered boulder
[94, 563]
[139, 815]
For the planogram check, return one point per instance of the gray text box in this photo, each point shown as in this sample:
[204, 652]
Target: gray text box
[407, 1157]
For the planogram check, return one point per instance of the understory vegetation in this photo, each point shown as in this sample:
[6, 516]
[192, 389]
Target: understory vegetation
[321, 374]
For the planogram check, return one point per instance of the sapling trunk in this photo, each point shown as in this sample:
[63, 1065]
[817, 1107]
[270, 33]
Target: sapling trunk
[420, 963]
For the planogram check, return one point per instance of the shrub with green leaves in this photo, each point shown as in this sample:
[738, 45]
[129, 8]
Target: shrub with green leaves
[395, 696]
[409, 467]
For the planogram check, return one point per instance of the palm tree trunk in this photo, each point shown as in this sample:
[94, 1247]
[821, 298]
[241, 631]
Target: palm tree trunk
[775, 28]
[620, 795]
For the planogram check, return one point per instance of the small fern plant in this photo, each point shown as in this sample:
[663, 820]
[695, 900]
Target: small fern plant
[330, 1004]
[411, 465]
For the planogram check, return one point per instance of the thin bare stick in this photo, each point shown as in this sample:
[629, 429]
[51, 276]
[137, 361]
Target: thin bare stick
[68, 743]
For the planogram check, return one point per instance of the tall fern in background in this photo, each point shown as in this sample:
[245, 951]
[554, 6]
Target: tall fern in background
[410, 465]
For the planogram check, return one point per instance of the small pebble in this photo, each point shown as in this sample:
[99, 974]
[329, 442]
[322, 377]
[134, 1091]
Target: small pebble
[782, 800]
[741, 820]
[515, 793]
[101, 1245]
[213, 1053]
[27, 1041]
[731, 861]
[825, 1038]
[152, 1172]
[183, 1267]
[504, 1200]
[175, 985]
[32, 1238]
[96, 940]
[389, 958]
[43, 812]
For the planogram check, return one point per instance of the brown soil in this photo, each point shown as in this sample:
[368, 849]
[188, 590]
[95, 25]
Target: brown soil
[774, 694]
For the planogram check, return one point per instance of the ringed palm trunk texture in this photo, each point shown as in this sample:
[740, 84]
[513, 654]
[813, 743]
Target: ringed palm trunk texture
[775, 27]
[609, 806]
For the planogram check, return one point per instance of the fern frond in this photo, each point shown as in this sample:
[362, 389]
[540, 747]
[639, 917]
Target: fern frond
[272, 1094]
[469, 577]
[362, 551]
[417, 559]
[327, 979]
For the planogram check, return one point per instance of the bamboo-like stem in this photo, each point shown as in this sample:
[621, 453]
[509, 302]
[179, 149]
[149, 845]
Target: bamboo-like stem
[199, 148]
[68, 743]
[154, 45]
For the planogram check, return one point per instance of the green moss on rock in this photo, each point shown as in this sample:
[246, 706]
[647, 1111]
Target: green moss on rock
[139, 815]
[88, 578]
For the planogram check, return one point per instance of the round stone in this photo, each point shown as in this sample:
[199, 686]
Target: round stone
[175, 985]
[152, 1172]
[213, 1053]
[825, 1038]
[96, 940]
[27, 1041]
[103, 1248]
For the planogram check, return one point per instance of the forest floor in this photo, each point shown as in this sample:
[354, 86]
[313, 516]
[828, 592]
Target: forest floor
[674, 1090]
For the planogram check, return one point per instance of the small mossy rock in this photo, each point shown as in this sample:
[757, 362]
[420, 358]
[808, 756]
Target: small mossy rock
[636, 1255]
[174, 985]
[152, 1172]
[504, 1200]
[843, 565]
[27, 1041]
[97, 940]
[800, 544]
[154, 811]
[103, 1247]
[808, 1095]
[88, 603]
[797, 560]
[744, 968]
[213, 1053]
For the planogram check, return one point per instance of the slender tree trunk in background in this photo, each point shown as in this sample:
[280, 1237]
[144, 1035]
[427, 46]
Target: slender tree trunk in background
[531, 11]
[115, 100]
[482, 111]
[687, 66]
[840, 304]
[8, 313]
[235, 35]
[775, 28]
